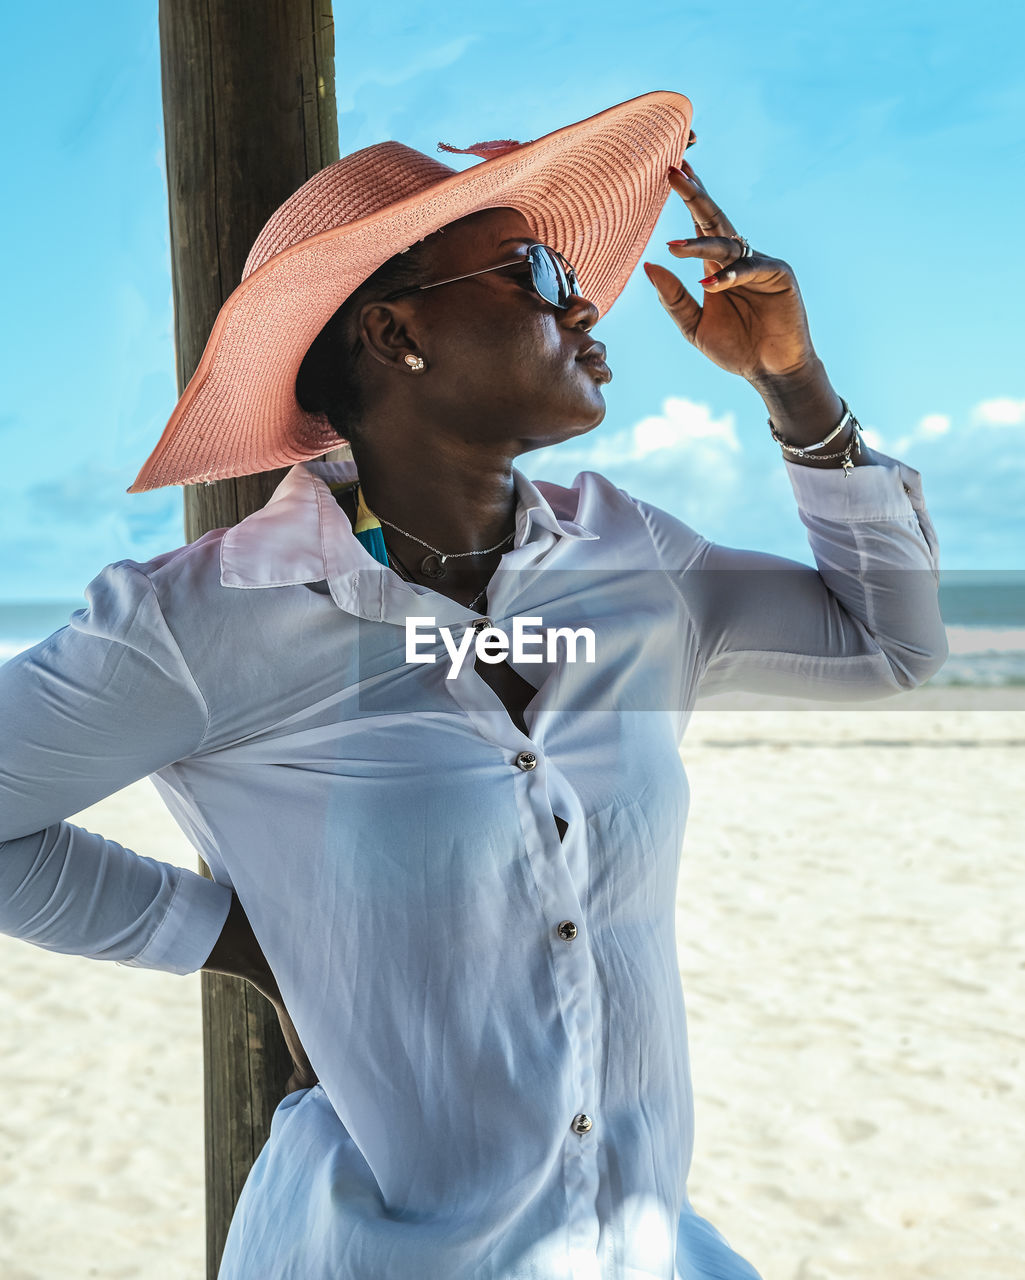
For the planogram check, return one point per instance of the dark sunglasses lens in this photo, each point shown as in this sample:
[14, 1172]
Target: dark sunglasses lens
[572, 283]
[549, 279]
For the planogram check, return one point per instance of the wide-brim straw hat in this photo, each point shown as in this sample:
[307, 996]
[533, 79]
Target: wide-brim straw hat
[593, 190]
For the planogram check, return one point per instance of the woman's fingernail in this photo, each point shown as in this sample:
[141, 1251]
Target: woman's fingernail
[671, 243]
[708, 280]
[652, 278]
[679, 172]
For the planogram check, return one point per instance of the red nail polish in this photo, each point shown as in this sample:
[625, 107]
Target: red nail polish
[708, 280]
[672, 242]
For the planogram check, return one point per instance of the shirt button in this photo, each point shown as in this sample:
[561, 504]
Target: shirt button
[582, 1123]
[567, 931]
[526, 760]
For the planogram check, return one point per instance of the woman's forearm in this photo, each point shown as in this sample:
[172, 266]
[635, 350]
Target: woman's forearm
[804, 408]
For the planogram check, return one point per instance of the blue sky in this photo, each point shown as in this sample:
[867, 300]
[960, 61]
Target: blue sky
[877, 147]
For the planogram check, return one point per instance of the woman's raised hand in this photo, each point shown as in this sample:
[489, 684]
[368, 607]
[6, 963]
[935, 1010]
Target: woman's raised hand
[753, 320]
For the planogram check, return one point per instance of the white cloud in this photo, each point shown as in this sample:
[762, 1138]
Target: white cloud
[683, 428]
[999, 412]
[686, 460]
[932, 425]
[682, 423]
[934, 428]
[683, 458]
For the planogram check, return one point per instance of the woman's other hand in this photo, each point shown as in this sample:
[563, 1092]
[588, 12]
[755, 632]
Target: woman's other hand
[753, 321]
[303, 1076]
[238, 953]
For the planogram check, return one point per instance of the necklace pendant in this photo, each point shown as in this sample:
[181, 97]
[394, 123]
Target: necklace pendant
[848, 467]
[432, 567]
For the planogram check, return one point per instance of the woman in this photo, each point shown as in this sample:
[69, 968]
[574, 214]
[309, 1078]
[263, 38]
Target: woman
[457, 883]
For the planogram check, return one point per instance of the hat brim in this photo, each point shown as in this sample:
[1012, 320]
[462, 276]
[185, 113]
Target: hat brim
[594, 190]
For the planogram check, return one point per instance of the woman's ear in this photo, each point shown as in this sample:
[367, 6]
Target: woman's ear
[383, 328]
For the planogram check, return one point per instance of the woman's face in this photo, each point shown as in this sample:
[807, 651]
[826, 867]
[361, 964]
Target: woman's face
[500, 359]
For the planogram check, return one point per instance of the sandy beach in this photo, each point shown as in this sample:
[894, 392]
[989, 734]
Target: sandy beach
[852, 946]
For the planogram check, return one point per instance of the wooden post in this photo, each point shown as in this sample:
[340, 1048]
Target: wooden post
[249, 115]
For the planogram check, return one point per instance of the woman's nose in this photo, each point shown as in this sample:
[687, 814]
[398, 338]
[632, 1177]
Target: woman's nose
[580, 313]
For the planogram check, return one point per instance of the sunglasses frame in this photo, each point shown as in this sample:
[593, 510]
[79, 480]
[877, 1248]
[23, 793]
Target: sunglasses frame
[572, 281]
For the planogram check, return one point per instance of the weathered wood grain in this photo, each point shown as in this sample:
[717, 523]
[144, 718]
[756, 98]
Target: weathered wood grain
[249, 115]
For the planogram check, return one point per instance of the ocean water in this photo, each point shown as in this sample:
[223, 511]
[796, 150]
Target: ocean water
[984, 613]
[23, 625]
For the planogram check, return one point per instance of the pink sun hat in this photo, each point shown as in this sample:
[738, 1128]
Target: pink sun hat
[593, 190]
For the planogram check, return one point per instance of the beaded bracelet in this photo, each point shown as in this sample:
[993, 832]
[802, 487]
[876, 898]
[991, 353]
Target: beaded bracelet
[807, 450]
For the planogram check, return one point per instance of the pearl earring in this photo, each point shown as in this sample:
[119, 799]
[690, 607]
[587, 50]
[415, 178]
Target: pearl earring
[416, 363]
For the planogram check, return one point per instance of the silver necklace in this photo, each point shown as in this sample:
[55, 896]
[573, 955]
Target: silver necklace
[433, 566]
[404, 573]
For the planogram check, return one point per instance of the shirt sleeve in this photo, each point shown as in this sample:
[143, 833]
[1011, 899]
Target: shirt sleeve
[864, 624]
[104, 701]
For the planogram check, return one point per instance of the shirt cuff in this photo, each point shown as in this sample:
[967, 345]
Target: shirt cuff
[884, 490]
[190, 927]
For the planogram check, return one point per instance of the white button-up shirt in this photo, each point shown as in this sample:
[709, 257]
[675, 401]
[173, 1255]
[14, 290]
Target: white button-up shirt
[495, 1015]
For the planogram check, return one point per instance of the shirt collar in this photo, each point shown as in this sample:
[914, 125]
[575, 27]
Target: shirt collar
[302, 535]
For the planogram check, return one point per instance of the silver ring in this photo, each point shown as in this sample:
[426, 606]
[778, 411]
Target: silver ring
[747, 253]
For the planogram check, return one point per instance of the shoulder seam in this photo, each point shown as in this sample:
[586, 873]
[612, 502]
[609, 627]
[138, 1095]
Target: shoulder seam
[174, 640]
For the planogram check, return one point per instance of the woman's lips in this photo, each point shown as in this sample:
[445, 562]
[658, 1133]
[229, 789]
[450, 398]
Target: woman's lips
[598, 365]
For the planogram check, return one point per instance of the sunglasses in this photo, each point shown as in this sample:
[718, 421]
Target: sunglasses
[552, 276]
